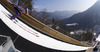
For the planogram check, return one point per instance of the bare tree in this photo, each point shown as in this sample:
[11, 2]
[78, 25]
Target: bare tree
[25, 3]
[44, 15]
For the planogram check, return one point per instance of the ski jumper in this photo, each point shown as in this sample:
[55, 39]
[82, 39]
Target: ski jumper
[17, 11]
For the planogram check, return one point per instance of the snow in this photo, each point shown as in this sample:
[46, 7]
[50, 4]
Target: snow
[72, 33]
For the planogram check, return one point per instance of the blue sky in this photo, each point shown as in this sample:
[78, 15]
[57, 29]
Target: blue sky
[61, 5]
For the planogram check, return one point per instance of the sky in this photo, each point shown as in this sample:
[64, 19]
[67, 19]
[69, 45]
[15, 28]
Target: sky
[61, 5]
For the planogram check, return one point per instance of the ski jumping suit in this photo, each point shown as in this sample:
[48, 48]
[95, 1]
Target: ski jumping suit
[17, 11]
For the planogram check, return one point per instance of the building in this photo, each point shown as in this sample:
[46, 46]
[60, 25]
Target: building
[6, 44]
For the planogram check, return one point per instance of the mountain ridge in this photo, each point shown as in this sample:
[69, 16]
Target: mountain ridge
[62, 14]
[86, 19]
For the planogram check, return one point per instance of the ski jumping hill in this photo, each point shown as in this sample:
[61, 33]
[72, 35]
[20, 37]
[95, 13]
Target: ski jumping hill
[40, 33]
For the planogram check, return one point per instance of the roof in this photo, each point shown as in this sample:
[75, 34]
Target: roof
[2, 40]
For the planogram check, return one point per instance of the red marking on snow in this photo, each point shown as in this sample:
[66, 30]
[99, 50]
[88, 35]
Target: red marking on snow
[23, 27]
[28, 29]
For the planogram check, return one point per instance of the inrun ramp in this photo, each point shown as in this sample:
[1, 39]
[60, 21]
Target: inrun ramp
[40, 34]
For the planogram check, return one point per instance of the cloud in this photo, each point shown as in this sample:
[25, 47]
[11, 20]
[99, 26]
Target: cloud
[36, 7]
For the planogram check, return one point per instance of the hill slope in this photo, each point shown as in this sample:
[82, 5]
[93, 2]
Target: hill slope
[86, 19]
